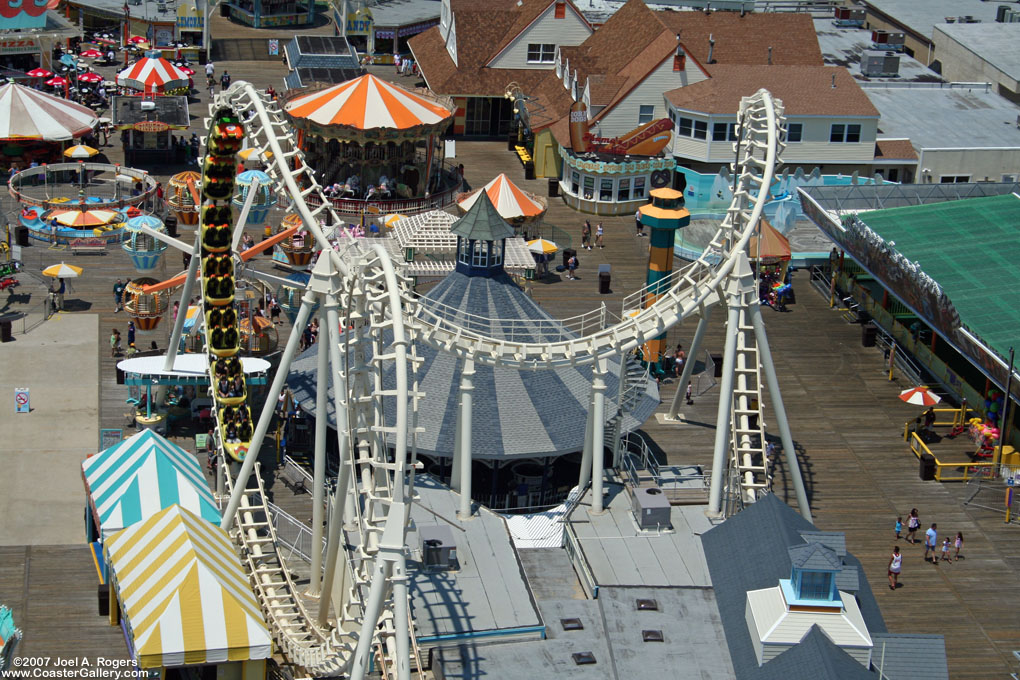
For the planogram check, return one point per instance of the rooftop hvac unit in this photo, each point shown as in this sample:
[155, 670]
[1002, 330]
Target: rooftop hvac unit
[888, 40]
[1001, 11]
[650, 506]
[438, 549]
[876, 64]
[849, 17]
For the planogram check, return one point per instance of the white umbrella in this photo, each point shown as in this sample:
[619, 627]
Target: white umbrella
[62, 271]
[920, 396]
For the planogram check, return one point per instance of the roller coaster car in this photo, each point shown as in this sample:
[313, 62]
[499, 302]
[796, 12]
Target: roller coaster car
[219, 291]
[215, 214]
[229, 367]
[223, 342]
[221, 318]
[225, 139]
[218, 188]
[216, 237]
[217, 265]
[236, 450]
[225, 400]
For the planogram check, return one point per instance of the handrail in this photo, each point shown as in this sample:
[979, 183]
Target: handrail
[970, 468]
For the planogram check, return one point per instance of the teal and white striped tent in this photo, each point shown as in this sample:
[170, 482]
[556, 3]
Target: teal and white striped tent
[140, 476]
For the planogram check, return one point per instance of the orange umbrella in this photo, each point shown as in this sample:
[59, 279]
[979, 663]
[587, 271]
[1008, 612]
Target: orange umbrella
[85, 219]
[774, 246]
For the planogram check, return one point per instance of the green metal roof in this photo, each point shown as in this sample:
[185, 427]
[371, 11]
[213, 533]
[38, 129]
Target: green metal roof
[482, 222]
[972, 249]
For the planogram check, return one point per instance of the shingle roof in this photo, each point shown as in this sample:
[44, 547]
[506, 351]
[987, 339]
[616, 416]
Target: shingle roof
[833, 539]
[747, 39]
[911, 657]
[804, 90]
[482, 222]
[816, 656]
[894, 149]
[812, 556]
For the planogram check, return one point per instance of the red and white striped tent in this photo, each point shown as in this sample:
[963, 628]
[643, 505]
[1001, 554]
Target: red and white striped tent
[510, 201]
[29, 114]
[368, 102]
[152, 74]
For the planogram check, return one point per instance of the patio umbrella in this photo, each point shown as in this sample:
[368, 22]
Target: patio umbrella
[187, 71]
[40, 73]
[542, 247]
[920, 396]
[57, 81]
[245, 154]
[85, 219]
[62, 271]
[392, 219]
[104, 41]
[80, 151]
[90, 78]
[137, 40]
[91, 53]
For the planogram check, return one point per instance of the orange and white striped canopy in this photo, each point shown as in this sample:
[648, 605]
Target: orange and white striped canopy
[367, 102]
[510, 200]
[152, 74]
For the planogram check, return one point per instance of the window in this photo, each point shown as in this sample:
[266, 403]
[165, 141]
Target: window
[953, 179]
[639, 187]
[815, 585]
[496, 253]
[606, 190]
[692, 128]
[623, 190]
[700, 129]
[575, 182]
[723, 131]
[672, 115]
[684, 128]
[589, 187]
[645, 114]
[840, 133]
[464, 256]
[478, 256]
[794, 132]
[541, 53]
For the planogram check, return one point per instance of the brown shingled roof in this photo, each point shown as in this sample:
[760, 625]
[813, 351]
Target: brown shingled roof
[804, 90]
[894, 149]
[746, 39]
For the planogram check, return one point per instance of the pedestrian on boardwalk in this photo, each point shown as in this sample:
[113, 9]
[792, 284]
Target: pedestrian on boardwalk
[959, 545]
[571, 267]
[895, 565]
[931, 538]
[61, 289]
[690, 393]
[118, 295]
[210, 70]
[899, 526]
[131, 333]
[225, 80]
[114, 343]
[946, 545]
[913, 524]
[586, 235]
[598, 235]
[637, 223]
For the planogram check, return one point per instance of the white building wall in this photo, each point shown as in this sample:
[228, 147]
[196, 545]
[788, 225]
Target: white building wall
[624, 116]
[959, 64]
[548, 30]
[979, 164]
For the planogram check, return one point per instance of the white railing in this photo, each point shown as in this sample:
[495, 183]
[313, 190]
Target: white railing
[293, 534]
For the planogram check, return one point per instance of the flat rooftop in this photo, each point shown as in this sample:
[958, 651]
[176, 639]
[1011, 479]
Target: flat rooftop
[616, 552]
[844, 46]
[993, 42]
[487, 594]
[921, 17]
[146, 11]
[394, 13]
[946, 117]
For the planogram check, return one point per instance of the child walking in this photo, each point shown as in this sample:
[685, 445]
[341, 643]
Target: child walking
[958, 543]
[899, 526]
[945, 551]
[913, 524]
[895, 566]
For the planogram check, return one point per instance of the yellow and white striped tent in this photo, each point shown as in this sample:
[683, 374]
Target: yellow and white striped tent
[183, 593]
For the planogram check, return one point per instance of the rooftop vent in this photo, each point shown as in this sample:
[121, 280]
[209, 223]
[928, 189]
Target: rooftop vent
[651, 636]
[647, 605]
[583, 658]
[572, 624]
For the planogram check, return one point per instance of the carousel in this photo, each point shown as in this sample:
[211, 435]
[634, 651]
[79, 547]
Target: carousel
[144, 249]
[182, 196]
[145, 309]
[35, 127]
[264, 195]
[373, 143]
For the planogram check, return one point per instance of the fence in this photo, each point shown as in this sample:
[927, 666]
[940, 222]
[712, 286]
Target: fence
[294, 534]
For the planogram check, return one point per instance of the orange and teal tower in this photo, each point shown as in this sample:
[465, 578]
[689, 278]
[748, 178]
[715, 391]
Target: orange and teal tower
[663, 216]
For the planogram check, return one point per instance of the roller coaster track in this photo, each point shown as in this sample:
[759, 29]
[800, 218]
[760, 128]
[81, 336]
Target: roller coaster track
[359, 278]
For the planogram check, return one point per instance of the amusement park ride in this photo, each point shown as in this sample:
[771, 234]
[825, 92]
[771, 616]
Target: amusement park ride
[363, 619]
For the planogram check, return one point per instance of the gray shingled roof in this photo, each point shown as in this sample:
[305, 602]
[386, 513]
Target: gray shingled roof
[516, 413]
[834, 539]
[813, 556]
[749, 552]
[817, 657]
[911, 657]
[482, 222]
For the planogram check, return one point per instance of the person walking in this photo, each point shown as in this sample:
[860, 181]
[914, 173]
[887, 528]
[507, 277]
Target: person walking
[210, 70]
[931, 537]
[114, 343]
[637, 223]
[61, 289]
[899, 526]
[586, 235]
[571, 267]
[118, 295]
[225, 80]
[598, 236]
[913, 524]
[958, 543]
[131, 333]
[895, 566]
[946, 545]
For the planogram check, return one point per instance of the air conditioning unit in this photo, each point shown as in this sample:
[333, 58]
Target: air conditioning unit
[880, 64]
[438, 549]
[888, 40]
[651, 507]
[849, 17]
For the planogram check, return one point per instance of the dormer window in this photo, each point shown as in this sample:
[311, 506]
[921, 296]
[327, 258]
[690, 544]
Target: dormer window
[814, 585]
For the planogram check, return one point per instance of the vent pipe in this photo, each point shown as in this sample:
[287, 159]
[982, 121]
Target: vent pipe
[770, 55]
[833, 81]
[711, 48]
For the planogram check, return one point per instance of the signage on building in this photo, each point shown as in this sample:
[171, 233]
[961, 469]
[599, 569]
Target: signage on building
[22, 14]
[18, 45]
[360, 23]
[189, 18]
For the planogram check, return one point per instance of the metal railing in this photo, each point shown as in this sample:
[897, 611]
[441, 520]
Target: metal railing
[959, 471]
[294, 534]
[900, 359]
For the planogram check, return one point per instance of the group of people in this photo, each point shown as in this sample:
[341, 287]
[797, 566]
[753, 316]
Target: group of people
[947, 550]
[236, 424]
[230, 387]
[310, 335]
[586, 234]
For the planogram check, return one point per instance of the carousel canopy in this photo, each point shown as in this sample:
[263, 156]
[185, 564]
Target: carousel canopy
[184, 594]
[511, 201]
[29, 114]
[152, 74]
[365, 103]
[774, 246]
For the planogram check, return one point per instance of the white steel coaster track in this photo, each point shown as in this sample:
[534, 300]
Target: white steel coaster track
[376, 489]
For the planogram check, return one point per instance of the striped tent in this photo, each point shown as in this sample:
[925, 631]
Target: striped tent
[29, 114]
[183, 593]
[152, 74]
[367, 102]
[135, 479]
[511, 201]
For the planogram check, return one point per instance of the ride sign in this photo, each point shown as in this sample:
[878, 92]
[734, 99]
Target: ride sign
[22, 402]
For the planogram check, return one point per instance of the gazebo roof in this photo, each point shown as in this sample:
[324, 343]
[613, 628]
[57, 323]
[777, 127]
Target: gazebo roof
[482, 222]
[511, 201]
[152, 74]
[29, 114]
[773, 244]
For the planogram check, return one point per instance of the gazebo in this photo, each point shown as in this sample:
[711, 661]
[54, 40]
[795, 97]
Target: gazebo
[33, 123]
[373, 142]
[511, 202]
[774, 250]
[154, 75]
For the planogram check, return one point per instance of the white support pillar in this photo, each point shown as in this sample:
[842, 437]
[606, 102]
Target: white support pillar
[373, 607]
[241, 483]
[326, 338]
[722, 421]
[189, 283]
[598, 388]
[789, 452]
[692, 353]
[401, 618]
[586, 457]
[467, 387]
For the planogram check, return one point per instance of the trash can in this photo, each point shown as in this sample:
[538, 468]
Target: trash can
[529, 170]
[21, 235]
[5, 331]
[103, 596]
[225, 10]
[554, 187]
[120, 376]
[171, 225]
[927, 471]
[717, 359]
[567, 254]
[511, 140]
[604, 270]
[869, 332]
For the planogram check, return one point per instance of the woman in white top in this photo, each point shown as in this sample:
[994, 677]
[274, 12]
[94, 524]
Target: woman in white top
[895, 564]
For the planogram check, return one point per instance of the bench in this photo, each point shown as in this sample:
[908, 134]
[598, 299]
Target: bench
[88, 245]
[291, 475]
